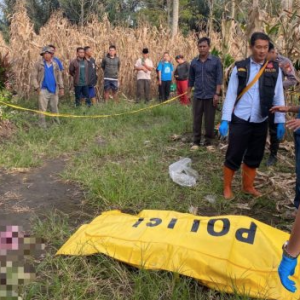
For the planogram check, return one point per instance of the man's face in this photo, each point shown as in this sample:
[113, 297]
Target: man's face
[166, 57]
[89, 52]
[145, 55]
[80, 53]
[47, 56]
[112, 52]
[260, 50]
[203, 48]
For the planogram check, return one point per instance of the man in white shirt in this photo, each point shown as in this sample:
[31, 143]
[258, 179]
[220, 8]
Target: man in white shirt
[246, 108]
[143, 66]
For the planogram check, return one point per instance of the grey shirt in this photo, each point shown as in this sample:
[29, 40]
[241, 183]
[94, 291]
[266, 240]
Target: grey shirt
[111, 67]
[205, 76]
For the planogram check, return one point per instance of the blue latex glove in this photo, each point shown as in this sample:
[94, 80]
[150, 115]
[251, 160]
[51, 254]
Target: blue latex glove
[286, 269]
[224, 128]
[280, 131]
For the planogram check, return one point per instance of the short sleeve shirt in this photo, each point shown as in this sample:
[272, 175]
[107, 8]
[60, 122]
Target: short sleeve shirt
[166, 69]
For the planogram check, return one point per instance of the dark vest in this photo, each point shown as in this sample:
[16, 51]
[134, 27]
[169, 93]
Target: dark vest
[267, 83]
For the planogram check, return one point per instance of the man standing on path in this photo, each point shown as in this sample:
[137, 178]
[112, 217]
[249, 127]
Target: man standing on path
[92, 70]
[47, 81]
[165, 71]
[111, 66]
[79, 70]
[255, 86]
[206, 75]
[181, 75]
[290, 79]
[143, 66]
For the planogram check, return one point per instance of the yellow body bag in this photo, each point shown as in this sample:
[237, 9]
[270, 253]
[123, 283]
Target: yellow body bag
[226, 253]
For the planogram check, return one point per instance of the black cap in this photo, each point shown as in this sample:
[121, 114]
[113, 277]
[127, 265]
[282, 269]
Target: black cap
[145, 51]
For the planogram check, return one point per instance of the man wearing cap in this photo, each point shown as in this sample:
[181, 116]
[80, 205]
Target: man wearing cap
[143, 66]
[47, 81]
[56, 59]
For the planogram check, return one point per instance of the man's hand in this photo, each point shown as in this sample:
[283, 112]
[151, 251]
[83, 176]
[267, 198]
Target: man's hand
[283, 109]
[159, 82]
[287, 268]
[216, 100]
[61, 92]
[223, 129]
[280, 131]
[293, 124]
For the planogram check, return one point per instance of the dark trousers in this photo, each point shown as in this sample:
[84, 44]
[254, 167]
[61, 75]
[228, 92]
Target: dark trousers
[203, 107]
[274, 142]
[297, 152]
[164, 90]
[143, 90]
[247, 143]
[82, 91]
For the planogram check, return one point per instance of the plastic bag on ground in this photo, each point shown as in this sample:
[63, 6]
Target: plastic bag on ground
[182, 173]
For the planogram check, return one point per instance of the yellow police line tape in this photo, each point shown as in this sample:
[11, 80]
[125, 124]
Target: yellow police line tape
[89, 116]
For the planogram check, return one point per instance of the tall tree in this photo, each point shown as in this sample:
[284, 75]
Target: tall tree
[79, 11]
[175, 17]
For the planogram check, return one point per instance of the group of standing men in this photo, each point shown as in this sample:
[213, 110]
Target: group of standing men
[47, 78]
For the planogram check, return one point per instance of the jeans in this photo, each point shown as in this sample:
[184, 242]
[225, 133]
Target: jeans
[82, 91]
[297, 152]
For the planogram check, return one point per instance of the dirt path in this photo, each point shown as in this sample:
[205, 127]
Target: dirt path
[25, 193]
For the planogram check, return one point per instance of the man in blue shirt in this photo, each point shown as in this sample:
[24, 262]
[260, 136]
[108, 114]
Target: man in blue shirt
[206, 76]
[246, 108]
[53, 48]
[165, 73]
[47, 81]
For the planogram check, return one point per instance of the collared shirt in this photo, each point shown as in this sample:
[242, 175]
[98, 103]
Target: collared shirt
[288, 71]
[205, 76]
[248, 107]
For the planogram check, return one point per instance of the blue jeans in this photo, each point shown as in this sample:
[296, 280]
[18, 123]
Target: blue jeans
[82, 91]
[297, 152]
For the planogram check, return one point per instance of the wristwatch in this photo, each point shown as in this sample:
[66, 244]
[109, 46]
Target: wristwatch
[285, 253]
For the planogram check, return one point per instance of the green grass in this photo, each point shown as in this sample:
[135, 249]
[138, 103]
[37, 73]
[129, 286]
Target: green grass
[120, 163]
